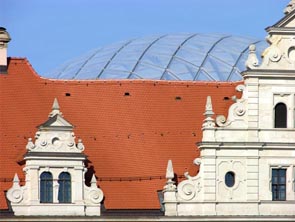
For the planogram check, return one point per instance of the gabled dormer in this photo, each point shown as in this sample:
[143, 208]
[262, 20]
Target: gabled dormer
[55, 174]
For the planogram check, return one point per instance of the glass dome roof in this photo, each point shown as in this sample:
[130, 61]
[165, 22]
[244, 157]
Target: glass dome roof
[194, 57]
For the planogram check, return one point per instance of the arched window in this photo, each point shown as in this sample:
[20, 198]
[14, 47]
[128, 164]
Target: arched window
[280, 116]
[64, 190]
[46, 187]
[229, 179]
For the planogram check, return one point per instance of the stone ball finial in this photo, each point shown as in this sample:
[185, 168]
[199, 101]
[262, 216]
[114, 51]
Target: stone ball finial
[252, 48]
[4, 35]
[80, 145]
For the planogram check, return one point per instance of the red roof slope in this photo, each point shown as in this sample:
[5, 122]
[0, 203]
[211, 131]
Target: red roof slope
[129, 128]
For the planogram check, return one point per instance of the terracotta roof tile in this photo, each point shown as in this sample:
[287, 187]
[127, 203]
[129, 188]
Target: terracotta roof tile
[129, 128]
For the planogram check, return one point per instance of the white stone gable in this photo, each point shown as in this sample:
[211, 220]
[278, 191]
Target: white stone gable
[55, 173]
[55, 135]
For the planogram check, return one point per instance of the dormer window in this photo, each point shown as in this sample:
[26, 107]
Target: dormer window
[60, 189]
[280, 116]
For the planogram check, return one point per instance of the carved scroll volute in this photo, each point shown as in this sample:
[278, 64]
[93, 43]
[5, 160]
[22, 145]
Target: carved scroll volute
[15, 194]
[93, 195]
[190, 188]
[252, 61]
[236, 112]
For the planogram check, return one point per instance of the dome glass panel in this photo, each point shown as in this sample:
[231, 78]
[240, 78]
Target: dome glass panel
[186, 56]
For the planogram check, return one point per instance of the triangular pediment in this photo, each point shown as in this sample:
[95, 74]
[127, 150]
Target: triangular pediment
[288, 21]
[56, 121]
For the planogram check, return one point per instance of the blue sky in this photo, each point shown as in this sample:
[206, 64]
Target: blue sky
[49, 32]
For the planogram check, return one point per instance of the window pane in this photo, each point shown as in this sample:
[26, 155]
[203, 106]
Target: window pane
[64, 191]
[280, 116]
[46, 187]
[279, 184]
[282, 195]
[282, 172]
[230, 179]
[275, 180]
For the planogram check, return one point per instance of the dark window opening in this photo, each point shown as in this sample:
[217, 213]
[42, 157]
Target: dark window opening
[280, 116]
[46, 187]
[65, 189]
[177, 98]
[68, 94]
[278, 185]
[127, 94]
[230, 179]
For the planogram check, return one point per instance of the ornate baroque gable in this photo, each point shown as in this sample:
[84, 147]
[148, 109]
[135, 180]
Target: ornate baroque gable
[55, 135]
[280, 55]
[55, 174]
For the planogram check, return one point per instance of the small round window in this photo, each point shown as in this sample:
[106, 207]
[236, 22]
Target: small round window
[230, 179]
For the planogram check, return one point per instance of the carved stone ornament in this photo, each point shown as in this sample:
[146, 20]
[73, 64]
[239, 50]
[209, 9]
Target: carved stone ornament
[279, 55]
[252, 60]
[93, 195]
[190, 188]
[55, 135]
[54, 142]
[80, 145]
[30, 144]
[16, 193]
[237, 111]
[290, 7]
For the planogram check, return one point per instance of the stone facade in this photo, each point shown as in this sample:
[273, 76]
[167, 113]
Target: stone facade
[247, 164]
[55, 153]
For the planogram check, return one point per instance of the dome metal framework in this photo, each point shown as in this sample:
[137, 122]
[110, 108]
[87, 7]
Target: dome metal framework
[191, 57]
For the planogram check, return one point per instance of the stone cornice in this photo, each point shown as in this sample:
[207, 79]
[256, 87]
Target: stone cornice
[269, 73]
[53, 154]
[249, 145]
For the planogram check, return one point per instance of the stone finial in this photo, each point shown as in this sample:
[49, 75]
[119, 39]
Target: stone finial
[209, 108]
[209, 121]
[4, 39]
[170, 192]
[93, 197]
[15, 193]
[80, 145]
[4, 35]
[30, 145]
[290, 7]
[16, 180]
[93, 181]
[169, 176]
[252, 60]
[55, 109]
[169, 170]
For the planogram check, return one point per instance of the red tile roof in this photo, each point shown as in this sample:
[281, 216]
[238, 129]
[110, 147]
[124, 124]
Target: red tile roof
[130, 128]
